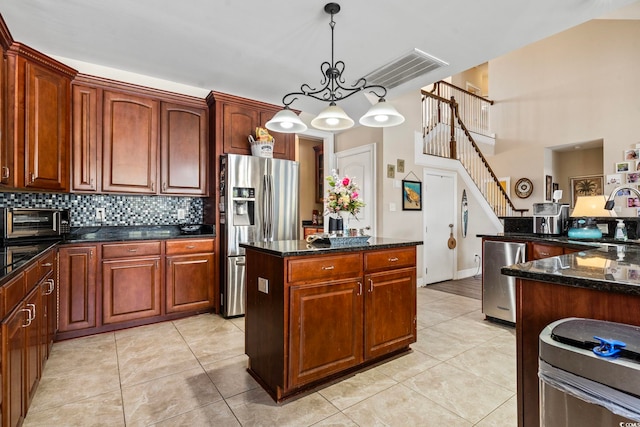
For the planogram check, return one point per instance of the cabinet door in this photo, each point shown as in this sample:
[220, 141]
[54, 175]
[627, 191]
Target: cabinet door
[188, 282]
[238, 122]
[325, 326]
[130, 143]
[33, 361]
[6, 147]
[13, 366]
[131, 289]
[183, 145]
[78, 267]
[50, 305]
[389, 312]
[46, 155]
[84, 151]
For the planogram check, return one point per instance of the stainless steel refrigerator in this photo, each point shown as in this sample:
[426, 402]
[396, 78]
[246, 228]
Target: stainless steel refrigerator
[259, 203]
[498, 290]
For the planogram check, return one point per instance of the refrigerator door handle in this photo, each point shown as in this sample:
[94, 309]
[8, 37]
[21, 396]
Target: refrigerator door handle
[265, 208]
[271, 201]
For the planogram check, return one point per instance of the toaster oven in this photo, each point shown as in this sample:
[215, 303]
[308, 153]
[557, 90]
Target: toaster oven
[34, 223]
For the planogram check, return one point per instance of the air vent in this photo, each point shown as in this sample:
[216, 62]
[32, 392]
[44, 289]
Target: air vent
[407, 67]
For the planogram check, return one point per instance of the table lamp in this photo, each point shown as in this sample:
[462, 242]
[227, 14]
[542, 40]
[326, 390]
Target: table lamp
[586, 210]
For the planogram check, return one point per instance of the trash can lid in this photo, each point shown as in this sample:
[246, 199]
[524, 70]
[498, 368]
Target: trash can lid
[606, 339]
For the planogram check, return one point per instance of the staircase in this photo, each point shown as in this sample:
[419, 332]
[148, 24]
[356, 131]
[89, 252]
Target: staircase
[449, 117]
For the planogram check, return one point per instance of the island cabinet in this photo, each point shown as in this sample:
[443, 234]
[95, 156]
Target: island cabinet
[314, 317]
[132, 139]
[37, 136]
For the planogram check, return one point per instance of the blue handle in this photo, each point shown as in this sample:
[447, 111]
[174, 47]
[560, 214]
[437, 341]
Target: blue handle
[608, 348]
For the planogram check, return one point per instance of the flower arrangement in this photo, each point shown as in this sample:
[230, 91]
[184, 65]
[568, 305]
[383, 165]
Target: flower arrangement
[342, 195]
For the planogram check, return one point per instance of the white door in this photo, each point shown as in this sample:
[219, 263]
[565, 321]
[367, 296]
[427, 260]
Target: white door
[439, 212]
[360, 164]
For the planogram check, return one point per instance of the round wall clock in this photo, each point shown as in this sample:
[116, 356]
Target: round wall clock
[524, 188]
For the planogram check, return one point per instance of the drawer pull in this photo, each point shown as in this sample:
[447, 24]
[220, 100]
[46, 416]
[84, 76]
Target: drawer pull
[47, 264]
[191, 246]
[132, 250]
[32, 316]
[544, 253]
[394, 259]
[52, 287]
[29, 319]
[331, 267]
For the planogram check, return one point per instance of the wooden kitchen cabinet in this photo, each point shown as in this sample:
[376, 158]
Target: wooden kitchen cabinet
[6, 149]
[132, 139]
[542, 250]
[131, 279]
[189, 270]
[183, 149]
[77, 293]
[320, 315]
[236, 118]
[13, 365]
[38, 120]
[312, 230]
[129, 143]
[33, 360]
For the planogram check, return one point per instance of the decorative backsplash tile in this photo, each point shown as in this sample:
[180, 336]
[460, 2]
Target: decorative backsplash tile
[119, 210]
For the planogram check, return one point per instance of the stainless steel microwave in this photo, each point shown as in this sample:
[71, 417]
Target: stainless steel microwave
[23, 223]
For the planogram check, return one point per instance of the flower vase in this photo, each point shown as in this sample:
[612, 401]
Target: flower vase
[346, 216]
[335, 224]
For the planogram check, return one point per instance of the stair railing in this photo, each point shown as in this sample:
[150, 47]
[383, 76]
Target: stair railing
[446, 135]
[473, 109]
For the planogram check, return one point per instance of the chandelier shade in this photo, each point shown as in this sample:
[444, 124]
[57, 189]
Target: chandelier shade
[334, 118]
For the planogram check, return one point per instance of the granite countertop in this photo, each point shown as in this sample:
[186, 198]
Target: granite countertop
[558, 239]
[284, 248]
[12, 257]
[145, 232]
[608, 268]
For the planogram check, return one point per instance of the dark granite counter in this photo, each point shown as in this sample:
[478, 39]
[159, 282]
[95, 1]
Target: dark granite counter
[284, 248]
[564, 240]
[13, 257]
[147, 232]
[610, 268]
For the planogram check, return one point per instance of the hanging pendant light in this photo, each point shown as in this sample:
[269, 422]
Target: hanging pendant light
[333, 118]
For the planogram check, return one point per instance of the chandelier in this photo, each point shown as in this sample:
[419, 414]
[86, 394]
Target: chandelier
[334, 118]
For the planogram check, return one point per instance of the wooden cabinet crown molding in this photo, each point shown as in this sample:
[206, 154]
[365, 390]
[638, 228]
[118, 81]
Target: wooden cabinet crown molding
[6, 39]
[134, 89]
[22, 50]
[225, 97]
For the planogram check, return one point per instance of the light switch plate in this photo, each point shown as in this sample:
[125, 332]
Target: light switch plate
[263, 285]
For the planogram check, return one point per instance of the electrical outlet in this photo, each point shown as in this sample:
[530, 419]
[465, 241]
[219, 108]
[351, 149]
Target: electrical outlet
[100, 215]
[182, 214]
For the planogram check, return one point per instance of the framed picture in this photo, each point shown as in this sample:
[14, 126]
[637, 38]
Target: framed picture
[556, 186]
[633, 178]
[633, 202]
[411, 195]
[548, 187]
[505, 183]
[632, 154]
[592, 185]
[614, 179]
[391, 171]
[623, 167]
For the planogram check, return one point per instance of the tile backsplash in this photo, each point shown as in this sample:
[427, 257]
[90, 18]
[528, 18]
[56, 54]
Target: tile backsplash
[119, 209]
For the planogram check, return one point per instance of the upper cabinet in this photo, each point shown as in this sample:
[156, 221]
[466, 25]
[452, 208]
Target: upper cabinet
[131, 139]
[236, 118]
[5, 153]
[35, 152]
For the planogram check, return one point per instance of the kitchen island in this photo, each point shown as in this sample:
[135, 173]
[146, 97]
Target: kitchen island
[317, 312]
[601, 283]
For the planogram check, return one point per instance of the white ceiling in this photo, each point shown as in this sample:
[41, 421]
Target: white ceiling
[265, 49]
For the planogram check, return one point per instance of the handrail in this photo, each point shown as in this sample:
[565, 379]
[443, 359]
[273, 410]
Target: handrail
[442, 82]
[450, 115]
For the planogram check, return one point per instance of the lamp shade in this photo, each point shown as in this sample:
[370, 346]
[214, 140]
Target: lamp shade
[381, 114]
[286, 121]
[332, 118]
[591, 206]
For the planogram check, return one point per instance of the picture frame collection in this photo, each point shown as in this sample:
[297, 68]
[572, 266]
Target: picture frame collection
[627, 172]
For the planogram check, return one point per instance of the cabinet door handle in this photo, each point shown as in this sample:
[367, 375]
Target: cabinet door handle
[91, 183]
[544, 253]
[33, 316]
[359, 288]
[52, 286]
[153, 186]
[29, 319]
[330, 267]
[164, 186]
[156, 264]
[394, 259]
[91, 254]
[33, 176]
[5, 172]
[370, 285]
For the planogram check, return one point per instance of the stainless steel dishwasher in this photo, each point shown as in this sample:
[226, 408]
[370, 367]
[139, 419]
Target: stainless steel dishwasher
[499, 291]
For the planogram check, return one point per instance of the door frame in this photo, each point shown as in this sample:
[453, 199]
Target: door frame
[454, 220]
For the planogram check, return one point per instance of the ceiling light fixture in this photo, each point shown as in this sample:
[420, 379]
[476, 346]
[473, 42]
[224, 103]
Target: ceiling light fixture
[333, 118]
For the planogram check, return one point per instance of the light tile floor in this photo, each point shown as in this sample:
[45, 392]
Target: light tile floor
[191, 372]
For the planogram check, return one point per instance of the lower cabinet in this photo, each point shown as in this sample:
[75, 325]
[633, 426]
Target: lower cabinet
[333, 313]
[13, 366]
[108, 286]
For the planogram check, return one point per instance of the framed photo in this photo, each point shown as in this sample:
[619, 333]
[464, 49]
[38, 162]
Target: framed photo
[391, 171]
[592, 185]
[411, 195]
[633, 178]
[623, 192]
[637, 165]
[548, 187]
[622, 167]
[614, 179]
[400, 165]
[632, 154]
[556, 186]
[633, 202]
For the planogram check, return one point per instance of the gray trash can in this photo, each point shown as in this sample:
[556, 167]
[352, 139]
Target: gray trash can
[581, 388]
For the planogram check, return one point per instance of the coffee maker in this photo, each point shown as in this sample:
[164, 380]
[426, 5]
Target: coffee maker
[550, 218]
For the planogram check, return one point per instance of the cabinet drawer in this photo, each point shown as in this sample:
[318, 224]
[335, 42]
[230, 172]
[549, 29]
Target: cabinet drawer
[191, 246]
[324, 268]
[13, 292]
[47, 263]
[121, 250]
[541, 251]
[389, 258]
